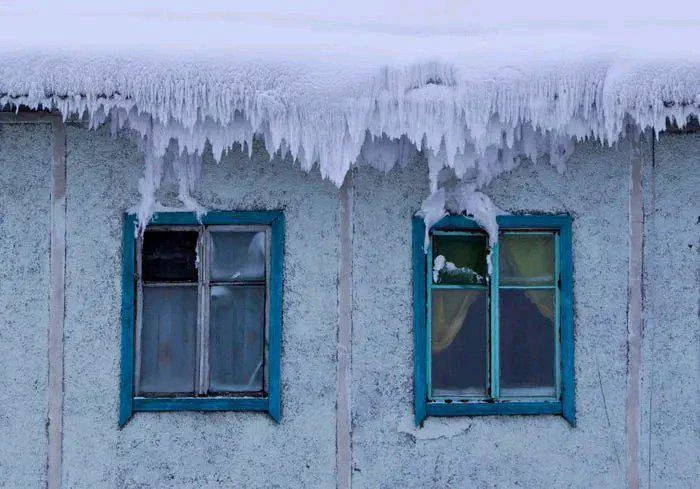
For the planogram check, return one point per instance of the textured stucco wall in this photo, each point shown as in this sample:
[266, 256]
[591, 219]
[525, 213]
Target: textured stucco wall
[671, 356]
[506, 451]
[190, 449]
[25, 177]
[211, 450]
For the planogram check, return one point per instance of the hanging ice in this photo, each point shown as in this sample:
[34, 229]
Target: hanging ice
[479, 118]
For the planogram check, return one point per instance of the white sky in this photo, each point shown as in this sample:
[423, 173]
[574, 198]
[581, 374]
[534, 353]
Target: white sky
[414, 13]
[395, 28]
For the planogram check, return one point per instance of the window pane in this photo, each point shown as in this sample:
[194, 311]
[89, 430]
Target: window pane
[238, 256]
[168, 340]
[237, 335]
[170, 256]
[459, 324]
[526, 259]
[527, 342]
[459, 259]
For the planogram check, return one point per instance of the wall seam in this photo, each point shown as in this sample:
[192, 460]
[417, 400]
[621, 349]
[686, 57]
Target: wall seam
[651, 229]
[57, 258]
[57, 304]
[343, 401]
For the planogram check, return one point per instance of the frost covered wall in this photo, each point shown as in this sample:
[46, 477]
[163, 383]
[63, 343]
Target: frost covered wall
[195, 450]
[493, 451]
[671, 374]
[25, 178]
[543, 451]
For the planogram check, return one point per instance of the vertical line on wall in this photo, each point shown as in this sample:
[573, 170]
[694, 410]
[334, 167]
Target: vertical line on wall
[651, 230]
[343, 406]
[57, 270]
[57, 304]
[634, 313]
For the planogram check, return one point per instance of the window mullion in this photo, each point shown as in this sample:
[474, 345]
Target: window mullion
[139, 315]
[266, 341]
[429, 319]
[495, 325]
[557, 314]
[203, 315]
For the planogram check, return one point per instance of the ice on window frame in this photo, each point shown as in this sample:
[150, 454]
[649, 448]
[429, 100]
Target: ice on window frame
[440, 264]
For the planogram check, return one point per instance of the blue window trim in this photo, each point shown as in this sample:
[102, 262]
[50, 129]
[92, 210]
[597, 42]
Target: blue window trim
[128, 403]
[565, 405]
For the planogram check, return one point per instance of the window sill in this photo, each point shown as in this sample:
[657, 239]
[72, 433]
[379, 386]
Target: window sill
[156, 404]
[463, 408]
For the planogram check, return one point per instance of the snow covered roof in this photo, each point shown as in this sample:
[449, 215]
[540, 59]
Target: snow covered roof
[476, 83]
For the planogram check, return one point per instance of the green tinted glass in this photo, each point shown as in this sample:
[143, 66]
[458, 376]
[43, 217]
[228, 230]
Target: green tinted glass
[526, 259]
[460, 259]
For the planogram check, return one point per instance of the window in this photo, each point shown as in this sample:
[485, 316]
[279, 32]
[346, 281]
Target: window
[202, 313]
[498, 343]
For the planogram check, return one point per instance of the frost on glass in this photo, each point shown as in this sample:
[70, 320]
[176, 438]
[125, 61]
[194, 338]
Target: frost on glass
[460, 259]
[237, 337]
[527, 349]
[168, 340]
[527, 259]
[459, 342]
[237, 256]
[170, 256]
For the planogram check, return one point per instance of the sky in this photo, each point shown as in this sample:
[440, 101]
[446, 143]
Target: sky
[398, 30]
[416, 13]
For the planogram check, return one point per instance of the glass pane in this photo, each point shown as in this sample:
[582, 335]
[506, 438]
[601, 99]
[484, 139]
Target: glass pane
[237, 336]
[458, 346]
[170, 256]
[459, 259]
[168, 340]
[527, 343]
[238, 256]
[526, 259]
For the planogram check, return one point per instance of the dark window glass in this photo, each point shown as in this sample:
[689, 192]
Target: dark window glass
[459, 342]
[168, 340]
[237, 336]
[527, 348]
[171, 317]
[460, 259]
[170, 256]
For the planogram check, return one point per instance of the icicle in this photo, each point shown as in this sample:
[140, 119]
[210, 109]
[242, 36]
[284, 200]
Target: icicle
[432, 210]
[480, 124]
[148, 185]
[467, 200]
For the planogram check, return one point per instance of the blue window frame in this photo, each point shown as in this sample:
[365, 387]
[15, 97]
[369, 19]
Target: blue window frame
[493, 343]
[202, 313]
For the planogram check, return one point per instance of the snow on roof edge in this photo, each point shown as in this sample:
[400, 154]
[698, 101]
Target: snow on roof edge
[478, 122]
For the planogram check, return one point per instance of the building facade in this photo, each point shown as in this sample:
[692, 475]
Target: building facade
[347, 338]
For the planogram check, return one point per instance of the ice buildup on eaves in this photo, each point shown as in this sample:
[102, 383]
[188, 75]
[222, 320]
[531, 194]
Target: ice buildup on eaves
[478, 123]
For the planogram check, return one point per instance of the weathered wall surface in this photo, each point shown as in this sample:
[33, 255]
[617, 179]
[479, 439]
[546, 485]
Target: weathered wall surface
[212, 450]
[191, 449]
[505, 451]
[25, 177]
[671, 356]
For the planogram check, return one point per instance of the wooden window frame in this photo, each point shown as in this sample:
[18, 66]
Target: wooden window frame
[563, 403]
[273, 224]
